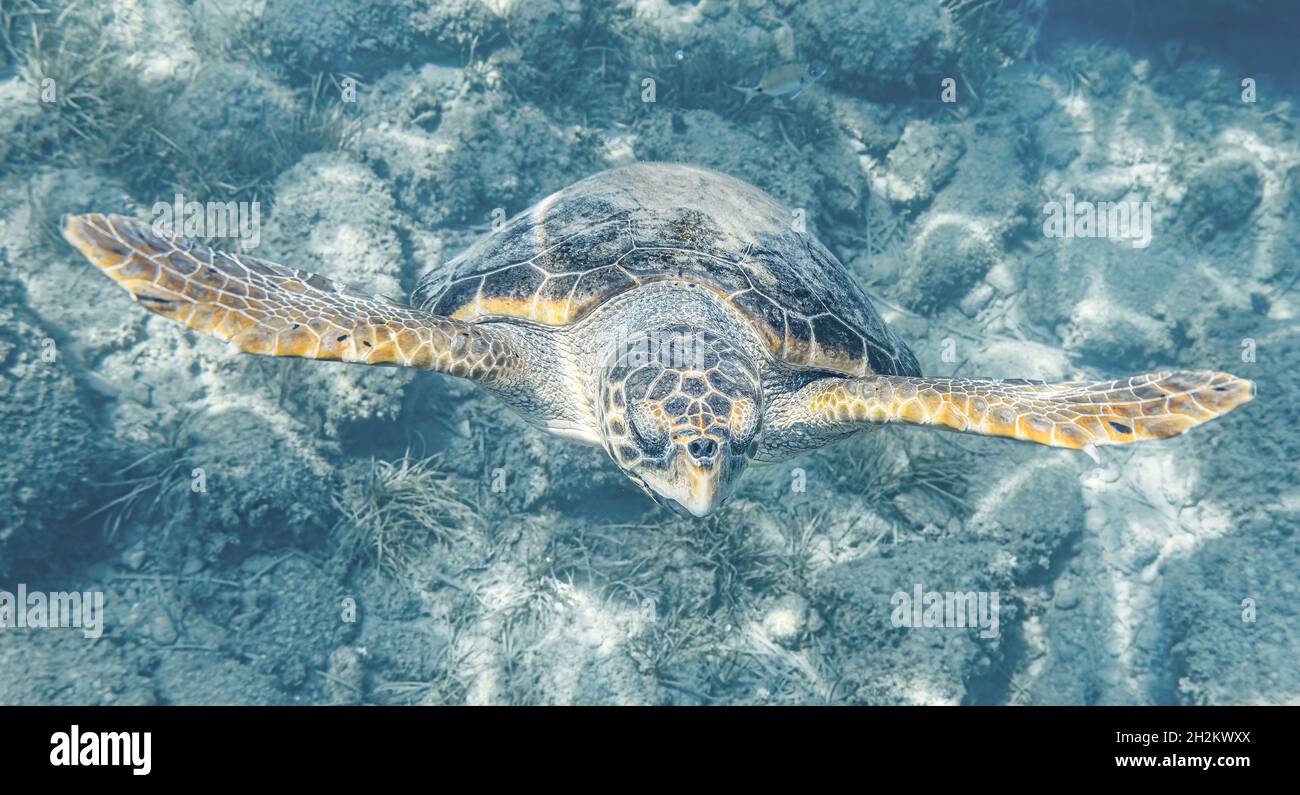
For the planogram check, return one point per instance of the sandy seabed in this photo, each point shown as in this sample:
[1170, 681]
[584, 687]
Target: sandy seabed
[271, 531]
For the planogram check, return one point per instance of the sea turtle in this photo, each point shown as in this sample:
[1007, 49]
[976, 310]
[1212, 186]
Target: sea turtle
[673, 315]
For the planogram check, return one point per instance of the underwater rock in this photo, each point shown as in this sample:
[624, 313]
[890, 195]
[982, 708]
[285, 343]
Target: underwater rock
[882, 662]
[1033, 512]
[20, 115]
[48, 437]
[151, 39]
[485, 150]
[265, 481]
[788, 618]
[1231, 610]
[923, 161]
[369, 38]
[106, 674]
[1106, 331]
[875, 48]
[1221, 196]
[335, 216]
[347, 676]
[948, 259]
[210, 119]
[536, 27]
[210, 678]
[89, 85]
[709, 140]
[460, 24]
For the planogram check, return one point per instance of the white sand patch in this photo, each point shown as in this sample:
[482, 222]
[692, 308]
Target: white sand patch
[154, 38]
[1273, 249]
[619, 150]
[598, 627]
[975, 227]
[1103, 326]
[1020, 359]
[924, 694]
[1131, 141]
[501, 8]
[1080, 111]
[1276, 162]
[1143, 515]
[665, 13]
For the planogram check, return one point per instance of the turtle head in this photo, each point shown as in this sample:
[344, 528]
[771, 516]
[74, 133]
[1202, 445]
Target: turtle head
[680, 412]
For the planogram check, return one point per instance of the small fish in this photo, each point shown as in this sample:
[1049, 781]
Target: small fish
[790, 80]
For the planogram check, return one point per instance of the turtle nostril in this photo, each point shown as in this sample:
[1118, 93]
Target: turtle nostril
[702, 448]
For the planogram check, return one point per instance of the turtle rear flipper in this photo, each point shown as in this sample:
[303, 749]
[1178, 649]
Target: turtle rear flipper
[1078, 414]
[263, 308]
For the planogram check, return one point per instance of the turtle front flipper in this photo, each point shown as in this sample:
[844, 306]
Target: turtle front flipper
[263, 308]
[1077, 414]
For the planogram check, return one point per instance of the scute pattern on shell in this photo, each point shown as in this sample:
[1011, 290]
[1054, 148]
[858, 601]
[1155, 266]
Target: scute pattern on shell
[582, 246]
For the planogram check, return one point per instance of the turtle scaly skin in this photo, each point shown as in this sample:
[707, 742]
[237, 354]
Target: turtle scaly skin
[670, 314]
[264, 308]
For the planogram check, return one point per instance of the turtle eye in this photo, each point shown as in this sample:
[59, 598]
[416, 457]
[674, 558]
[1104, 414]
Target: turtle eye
[648, 429]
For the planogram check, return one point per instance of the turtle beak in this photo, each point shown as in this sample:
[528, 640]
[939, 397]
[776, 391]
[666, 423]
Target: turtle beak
[702, 488]
[693, 479]
[703, 476]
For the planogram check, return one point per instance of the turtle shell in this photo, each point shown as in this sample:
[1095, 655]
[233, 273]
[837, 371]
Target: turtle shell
[562, 258]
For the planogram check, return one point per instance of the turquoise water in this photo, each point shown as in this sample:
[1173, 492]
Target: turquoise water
[242, 529]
